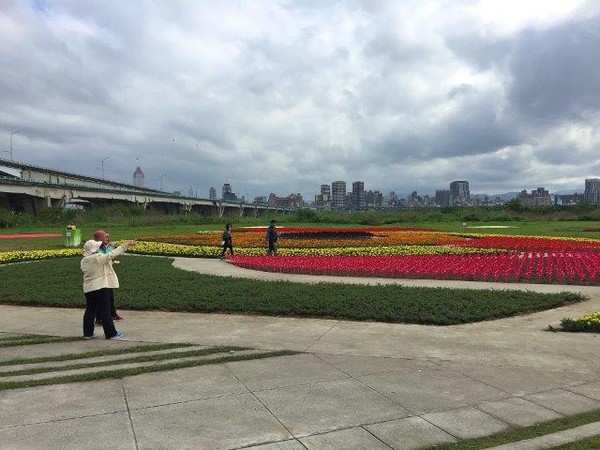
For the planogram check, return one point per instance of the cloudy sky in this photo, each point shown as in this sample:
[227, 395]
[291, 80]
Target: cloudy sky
[283, 96]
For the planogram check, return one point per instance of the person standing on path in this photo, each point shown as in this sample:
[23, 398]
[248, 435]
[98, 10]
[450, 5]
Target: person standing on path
[104, 237]
[227, 240]
[272, 237]
[98, 278]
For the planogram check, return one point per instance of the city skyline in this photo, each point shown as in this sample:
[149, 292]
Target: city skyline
[279, 96]
[459, 192]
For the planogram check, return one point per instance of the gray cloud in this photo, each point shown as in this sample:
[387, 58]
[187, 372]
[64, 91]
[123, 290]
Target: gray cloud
[284, 96]
[554, 72]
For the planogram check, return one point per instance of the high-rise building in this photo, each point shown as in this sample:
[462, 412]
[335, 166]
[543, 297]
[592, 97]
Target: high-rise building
[212, 193]
[358, 195]
[295, 200]
[261, 200]
[460, 192]
[227, 194]
[377, 199]
[323, 200]
[537, 197]
[592, 191]
[338, 194]
[443, 197]
[138, 178]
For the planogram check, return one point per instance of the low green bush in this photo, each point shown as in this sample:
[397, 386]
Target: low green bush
[150, 283]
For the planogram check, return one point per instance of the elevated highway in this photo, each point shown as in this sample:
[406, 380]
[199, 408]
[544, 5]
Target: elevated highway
[27, 189]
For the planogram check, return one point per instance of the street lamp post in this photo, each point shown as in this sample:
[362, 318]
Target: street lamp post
[102, 165]
[11, 147]
[161, 180]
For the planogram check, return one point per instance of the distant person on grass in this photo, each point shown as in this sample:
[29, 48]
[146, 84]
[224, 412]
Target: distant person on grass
[227, 241]
[272, 237]
[106, 247]
[98, 279]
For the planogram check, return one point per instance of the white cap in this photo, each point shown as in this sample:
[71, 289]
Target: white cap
[91, 247]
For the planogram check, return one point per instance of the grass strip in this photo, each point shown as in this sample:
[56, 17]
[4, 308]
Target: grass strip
[93, 354]
[33, 340]
[149, 283]
[584, 444]
[121, 373]
[520, 434]
[133, 360]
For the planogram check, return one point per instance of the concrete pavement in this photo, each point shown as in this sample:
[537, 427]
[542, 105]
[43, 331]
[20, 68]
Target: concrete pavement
[356, 386]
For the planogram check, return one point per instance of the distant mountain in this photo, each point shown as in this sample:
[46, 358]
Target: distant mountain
[568, 192]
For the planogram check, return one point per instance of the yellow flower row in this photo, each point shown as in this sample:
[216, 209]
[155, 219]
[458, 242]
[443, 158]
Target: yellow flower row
[156, 248]
[32, 255]
[589, 319]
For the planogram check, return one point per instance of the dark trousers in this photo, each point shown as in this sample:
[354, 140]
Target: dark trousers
[97, 304]
[227, 245]
[113, 310]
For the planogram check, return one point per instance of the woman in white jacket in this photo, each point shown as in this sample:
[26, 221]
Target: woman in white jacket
[98, 278]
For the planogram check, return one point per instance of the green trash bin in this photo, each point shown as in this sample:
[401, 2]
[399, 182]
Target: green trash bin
[72, 236]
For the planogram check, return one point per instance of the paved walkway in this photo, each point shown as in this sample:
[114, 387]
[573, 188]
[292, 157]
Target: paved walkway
[356, 386]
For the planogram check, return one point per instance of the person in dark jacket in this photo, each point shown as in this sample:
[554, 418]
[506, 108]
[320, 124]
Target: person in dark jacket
[227, 240]
[272, 238]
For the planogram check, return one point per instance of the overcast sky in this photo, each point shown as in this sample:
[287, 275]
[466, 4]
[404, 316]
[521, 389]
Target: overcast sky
[283, 96]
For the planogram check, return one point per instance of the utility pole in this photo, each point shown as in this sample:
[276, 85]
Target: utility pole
[11, 147]
[102, 166]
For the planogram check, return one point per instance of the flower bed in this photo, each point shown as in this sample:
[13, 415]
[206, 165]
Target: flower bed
[386, 252]
[530, 243]
[560, 268]
[585, 323]
[320, 238]
[33, 255]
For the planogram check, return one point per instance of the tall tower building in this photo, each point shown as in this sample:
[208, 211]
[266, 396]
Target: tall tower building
[225, 191]
[212, 193]
[358, 195]
[326, 190]
[138, 178]
[460, 192]
[338, 194]
[592, 191]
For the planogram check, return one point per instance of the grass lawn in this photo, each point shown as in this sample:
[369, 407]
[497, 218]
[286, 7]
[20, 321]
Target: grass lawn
[150, 283]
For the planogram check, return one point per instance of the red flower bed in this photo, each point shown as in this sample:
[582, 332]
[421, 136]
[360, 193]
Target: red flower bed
[283, 229]
[531, 244]
[29, 235]
[530, 267]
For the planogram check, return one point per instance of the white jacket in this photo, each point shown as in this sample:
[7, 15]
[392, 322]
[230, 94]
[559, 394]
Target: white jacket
[98, 272]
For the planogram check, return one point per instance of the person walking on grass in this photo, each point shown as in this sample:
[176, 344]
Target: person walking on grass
[272, 237]
[227, 241]
[106, 247]
[98, 279]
